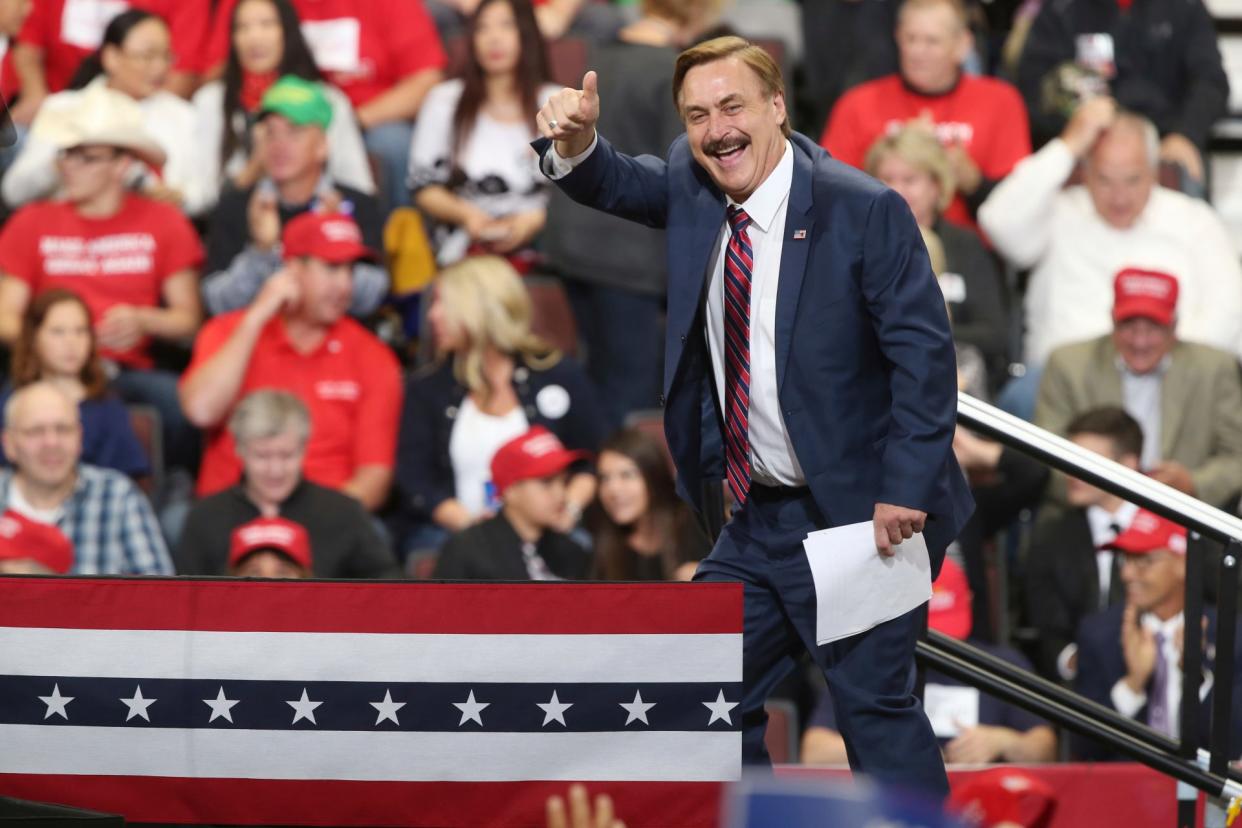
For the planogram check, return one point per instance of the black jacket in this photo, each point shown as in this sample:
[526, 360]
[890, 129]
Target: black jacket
[1063, 585]
[492, 551]
[977, 303]
[433, 399]
[344, 542]
[1168, 64]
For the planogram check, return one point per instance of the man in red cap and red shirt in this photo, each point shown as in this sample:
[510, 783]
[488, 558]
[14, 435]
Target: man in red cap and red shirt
[520, 543]
[1130, 655]
[296, 337]
[270, 548]
[1187, 397]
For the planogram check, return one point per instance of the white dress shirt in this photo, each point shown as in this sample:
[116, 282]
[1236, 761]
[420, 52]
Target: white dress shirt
[1102, 523]
[1142, 398]
[772, 458]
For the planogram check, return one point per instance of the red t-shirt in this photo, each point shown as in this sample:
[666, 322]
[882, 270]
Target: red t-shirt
[69, 30]
[351, 383]
[985, 115]
[9, 82]
[121, 260]
[364, 47]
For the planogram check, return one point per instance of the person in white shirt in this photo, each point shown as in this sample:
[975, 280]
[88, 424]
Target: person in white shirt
[1130, 656]
[1075, 239]
[471, 167]
[134, 61]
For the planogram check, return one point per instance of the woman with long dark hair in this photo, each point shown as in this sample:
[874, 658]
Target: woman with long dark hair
[57, 345]
[267, 44]
[471, 166]
[133, 60]
[642, 530]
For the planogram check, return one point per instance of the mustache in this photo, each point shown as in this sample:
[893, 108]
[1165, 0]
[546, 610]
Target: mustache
[724, 144]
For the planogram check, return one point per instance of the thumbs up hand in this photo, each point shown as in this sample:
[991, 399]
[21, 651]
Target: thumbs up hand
[569, 117]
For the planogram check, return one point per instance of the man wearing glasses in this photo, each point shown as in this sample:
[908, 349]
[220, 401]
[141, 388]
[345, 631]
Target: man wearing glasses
[133, 259]
[1130, 655]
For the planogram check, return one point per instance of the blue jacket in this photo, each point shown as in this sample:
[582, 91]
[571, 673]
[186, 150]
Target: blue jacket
[1101, 664]
[865, 365]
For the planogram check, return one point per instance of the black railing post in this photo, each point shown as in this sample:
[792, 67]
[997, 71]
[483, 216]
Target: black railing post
[1192, 649]
[1226, 640]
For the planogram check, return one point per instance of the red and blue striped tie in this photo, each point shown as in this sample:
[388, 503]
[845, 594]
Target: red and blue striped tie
[739, 260]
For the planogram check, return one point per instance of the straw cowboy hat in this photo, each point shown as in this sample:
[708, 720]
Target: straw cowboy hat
[98, 115]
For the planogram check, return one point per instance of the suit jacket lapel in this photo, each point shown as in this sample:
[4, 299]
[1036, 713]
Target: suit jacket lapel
[1174, 392]
[688, 278]
[1106, 385]
[798, 218]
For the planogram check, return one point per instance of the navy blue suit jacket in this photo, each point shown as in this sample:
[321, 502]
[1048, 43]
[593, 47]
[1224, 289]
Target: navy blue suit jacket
[866, 371]
[1101, 664]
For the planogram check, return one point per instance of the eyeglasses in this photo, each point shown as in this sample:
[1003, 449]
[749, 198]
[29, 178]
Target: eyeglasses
[83, 155]
[59, 429]
[151, 57]
[1143, 561]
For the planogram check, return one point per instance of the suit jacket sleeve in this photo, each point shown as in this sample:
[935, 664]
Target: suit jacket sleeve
[1220, 478]
[1050, 608]
[632, 188]
[912, 327]
[1054, 407]
[1207, 93]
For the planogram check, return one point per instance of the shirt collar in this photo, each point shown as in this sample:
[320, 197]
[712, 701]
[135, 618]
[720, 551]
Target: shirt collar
[1101, 522]
[766, 200]
[1156, 373]
[1152, 623]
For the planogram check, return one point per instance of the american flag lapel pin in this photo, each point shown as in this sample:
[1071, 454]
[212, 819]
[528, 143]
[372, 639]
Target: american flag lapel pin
[799, 234]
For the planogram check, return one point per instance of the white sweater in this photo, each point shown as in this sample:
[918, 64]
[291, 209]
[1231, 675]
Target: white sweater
[347, 156]
[1036, 222]
[170, 121]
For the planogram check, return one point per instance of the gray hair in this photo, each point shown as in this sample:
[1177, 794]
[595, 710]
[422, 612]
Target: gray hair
[15, 400]
[267, 413]
[1141, 125]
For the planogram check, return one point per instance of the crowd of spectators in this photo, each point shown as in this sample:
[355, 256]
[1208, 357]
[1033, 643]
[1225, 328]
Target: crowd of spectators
[195, 213]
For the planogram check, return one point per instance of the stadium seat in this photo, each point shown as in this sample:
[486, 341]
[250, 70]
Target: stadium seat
[553, 319]
[145, 420]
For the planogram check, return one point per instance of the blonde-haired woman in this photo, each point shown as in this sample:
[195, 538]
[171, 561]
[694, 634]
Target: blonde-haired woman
[913, 163]
[492, 379]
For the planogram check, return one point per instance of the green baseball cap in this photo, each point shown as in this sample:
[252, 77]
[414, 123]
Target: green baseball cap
[301, 101]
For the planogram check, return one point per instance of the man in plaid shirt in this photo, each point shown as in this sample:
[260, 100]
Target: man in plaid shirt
[102, 513]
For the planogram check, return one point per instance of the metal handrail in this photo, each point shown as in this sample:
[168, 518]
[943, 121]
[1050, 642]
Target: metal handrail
[1066, 709]
[1097, 470]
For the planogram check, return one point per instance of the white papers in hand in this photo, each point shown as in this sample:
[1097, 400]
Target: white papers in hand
[857, 588]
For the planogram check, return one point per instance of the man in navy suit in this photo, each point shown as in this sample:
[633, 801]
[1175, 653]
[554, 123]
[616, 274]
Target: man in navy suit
[1129, 655]
[808, 363]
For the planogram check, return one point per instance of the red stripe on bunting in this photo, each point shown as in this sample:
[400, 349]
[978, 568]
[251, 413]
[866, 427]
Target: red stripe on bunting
[229, 605]
[320, 802]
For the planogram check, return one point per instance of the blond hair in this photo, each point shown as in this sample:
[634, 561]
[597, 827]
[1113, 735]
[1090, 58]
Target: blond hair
[721, 48]
[920, 149]
[485, 298]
